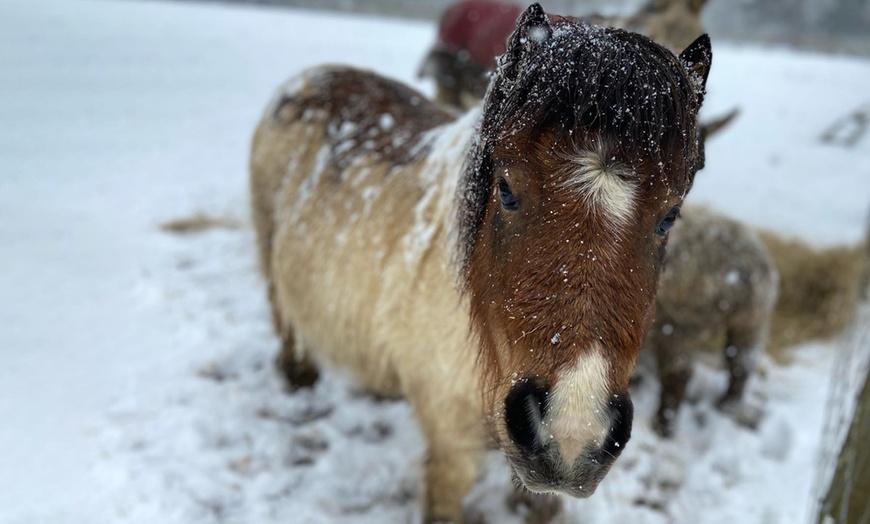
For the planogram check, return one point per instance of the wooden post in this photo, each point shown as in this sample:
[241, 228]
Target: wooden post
[847, 500]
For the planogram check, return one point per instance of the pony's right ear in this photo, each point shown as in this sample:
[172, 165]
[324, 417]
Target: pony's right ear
[697, 59]
[533, 28]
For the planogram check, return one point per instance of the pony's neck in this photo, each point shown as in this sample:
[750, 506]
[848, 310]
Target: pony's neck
[448, 146]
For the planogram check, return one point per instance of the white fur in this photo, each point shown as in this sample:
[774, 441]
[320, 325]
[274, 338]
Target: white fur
[578, 418]
[604, 183]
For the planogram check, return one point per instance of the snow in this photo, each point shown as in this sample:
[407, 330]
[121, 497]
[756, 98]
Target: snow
[386, 121]
[770, 165]
[137, 384]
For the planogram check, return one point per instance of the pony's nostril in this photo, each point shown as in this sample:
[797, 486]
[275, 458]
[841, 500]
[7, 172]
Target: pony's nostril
[621, 416]
[524, 409]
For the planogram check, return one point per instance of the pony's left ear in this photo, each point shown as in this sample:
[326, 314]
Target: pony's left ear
[697, 59]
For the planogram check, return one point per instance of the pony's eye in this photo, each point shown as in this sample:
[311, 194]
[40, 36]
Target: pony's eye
[667, 223]
[508, 200]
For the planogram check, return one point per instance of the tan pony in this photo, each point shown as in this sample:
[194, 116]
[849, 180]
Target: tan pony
[717, 291]
[500, 276]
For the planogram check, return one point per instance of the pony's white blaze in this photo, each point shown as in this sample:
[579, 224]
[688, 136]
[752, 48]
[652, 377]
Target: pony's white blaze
[604, 184]
[578, 417]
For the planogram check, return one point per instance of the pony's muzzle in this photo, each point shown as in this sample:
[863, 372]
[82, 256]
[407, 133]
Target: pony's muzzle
[542, 461]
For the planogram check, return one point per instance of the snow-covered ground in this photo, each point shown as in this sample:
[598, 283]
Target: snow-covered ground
[135, 366]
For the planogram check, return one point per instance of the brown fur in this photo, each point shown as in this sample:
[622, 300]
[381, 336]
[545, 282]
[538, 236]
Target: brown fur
[382, 256]
[717, 291]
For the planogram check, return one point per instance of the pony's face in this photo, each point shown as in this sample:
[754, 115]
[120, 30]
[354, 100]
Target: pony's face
[566, 244]
[573, 243]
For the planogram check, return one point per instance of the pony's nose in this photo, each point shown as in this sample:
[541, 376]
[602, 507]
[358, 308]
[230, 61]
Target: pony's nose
[525, 407]
[621, 416]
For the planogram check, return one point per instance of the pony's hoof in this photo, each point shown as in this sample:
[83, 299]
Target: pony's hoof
[299, 374]
[746, 415]
[663, 426]
[728, 405]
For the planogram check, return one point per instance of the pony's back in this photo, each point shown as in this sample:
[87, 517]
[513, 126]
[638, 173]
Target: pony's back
[360, 115]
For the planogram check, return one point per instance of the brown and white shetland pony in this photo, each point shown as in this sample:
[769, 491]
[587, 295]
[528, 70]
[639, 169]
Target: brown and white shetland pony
[500, 276]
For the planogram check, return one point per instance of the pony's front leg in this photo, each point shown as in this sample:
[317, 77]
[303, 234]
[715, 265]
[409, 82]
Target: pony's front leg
[744, 340]
[292, 362]
[741, 353]
[453, 428]
[448, 478]
[296, 366]
[673, 356]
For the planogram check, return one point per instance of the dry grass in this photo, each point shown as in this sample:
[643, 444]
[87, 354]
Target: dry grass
[818, 291]
[199, 223]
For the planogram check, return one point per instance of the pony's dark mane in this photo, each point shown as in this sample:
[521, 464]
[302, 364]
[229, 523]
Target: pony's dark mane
[588, 81]
[614, 84]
